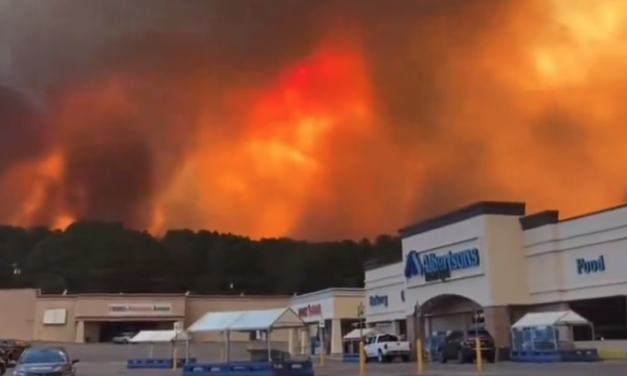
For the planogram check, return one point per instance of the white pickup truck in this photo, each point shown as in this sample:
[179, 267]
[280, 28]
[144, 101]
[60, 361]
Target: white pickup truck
[385, 347]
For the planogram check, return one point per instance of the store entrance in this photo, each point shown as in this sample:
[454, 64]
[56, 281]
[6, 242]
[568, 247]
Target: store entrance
[106, 331]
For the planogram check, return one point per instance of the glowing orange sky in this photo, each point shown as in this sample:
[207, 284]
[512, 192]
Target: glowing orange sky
[530, 108]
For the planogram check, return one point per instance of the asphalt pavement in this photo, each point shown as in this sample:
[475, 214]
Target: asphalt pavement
[110, 360]
[341, 369]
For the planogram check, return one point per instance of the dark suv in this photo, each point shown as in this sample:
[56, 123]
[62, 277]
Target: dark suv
[461, 346]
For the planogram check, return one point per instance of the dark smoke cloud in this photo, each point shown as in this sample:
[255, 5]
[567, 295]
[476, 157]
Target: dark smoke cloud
[417, 52]
[21, 128]
[115, 185]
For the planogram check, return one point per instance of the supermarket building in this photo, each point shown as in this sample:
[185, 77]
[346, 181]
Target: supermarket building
[99, 317]
[488, 264]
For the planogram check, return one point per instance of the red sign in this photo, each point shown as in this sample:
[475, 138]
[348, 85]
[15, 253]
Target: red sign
[310, 310]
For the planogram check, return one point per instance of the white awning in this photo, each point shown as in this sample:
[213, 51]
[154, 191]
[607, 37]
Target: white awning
[154, 336]
[247, 321]
[550, 319]
[358, 333]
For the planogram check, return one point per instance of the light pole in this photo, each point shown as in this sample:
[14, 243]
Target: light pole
[418, 335]
[362, 355]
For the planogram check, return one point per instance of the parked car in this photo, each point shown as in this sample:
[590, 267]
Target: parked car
[37, 361]
[123, 338]
[461, 346]
[4, 363]
[12, 350]
[386, 347]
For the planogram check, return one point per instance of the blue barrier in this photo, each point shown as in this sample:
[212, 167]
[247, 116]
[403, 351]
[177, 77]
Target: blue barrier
[294, 368]
[288, 368]
[157, 363]
[350, 358]
[554, 356]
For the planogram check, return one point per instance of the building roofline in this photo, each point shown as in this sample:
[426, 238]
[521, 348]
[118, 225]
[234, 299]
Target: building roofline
[162, 296]
[376, 264]
[551, 217]
[535, 220]
[601, 211]
[464, 213]
[333, 291]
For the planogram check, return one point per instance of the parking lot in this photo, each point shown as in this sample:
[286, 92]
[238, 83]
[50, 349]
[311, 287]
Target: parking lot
[109, 360]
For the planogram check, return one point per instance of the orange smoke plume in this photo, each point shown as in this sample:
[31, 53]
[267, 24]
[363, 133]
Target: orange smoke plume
[321, 120]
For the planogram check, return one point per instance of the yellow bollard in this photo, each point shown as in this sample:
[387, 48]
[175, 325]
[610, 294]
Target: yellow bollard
[321, 356]
[362, 359]
[419, 358]
[479, 357]
[174, 358]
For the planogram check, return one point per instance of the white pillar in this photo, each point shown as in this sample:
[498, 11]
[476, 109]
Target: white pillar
[292, 341]
[80, 332]
[304, 340]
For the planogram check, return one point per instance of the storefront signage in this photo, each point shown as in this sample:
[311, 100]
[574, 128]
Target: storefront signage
[140, 309]
[310, 310]
[378, 300]
[439, 267]
[590, 266]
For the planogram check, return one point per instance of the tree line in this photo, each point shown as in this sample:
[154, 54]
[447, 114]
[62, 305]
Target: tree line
[99, 257]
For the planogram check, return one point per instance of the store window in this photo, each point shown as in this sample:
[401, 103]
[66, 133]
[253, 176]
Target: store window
[477, 320]
[607, 315]
[402, 328]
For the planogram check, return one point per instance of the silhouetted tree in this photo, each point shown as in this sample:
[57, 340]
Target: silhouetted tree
[92, 256]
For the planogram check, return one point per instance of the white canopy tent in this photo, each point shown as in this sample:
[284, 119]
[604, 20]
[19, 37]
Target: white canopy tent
[154, 336]
[237, 321]
[356, 334]
[158, 336]
[536, 319]
[244, 321]
[547, 330]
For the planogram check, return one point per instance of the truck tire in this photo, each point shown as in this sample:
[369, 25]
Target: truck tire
[405, 358]
[461, 357]
[380, 357]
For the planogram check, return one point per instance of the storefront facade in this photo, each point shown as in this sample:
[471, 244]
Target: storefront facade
[330, 314]
[486, 265]
[465, 269]
[98, 317]
[384, 299]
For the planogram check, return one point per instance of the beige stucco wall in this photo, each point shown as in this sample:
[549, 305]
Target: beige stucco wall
[345, 307]
[16, 315]
[505, 259]
[24, 319]
[54, 333]
[97, 306]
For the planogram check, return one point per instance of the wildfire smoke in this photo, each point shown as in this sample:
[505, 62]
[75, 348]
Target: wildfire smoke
[316, 119]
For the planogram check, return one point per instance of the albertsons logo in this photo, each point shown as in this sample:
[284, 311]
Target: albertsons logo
[419, 264]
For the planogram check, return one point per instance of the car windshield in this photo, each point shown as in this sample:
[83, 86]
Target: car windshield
[39, 356]
[388, 338]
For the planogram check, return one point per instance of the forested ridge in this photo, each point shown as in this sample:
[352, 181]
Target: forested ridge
[99, 257]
